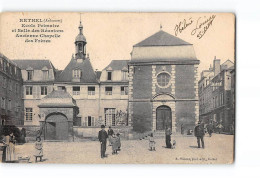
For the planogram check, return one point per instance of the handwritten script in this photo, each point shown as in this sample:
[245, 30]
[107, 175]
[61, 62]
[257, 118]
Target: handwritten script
[199, 26]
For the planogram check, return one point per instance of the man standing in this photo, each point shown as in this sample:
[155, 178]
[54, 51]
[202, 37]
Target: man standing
[102, 137]
[199, 133]
[110, 132]
[168, 134]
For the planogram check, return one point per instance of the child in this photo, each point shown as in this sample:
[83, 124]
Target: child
[38, 148]
[114, 144]
[151, 142]
[173, 144]
[118, 142]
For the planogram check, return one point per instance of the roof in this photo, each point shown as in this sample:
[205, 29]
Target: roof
[58, 94]
[7, 59]
[58, 72]
[117, 65]
[34, 64]
[162, 38]
[80, 37]
[98, 74]
[87, 73]
[58, 99]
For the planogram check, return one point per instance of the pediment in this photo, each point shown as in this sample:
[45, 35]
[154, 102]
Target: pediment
[163, 97]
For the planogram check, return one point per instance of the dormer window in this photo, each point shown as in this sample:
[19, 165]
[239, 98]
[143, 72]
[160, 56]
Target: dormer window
[29, 74]
[76, 73]
[124, 75]
[109, 75]
[45, 74]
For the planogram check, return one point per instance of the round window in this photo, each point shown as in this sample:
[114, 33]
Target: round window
[163, 79]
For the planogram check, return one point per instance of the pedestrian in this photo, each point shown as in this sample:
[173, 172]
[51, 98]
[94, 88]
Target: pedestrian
[168, 133]
[38, 147]
[10, 147]
[102, 137]
[182, 129]
[199, 133]
[151, 142]
[114, 144]
[210, 129]
[23, 135]
[118, 142]
[110, 132]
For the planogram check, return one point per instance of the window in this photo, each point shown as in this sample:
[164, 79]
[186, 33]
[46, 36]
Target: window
[110, 119]
[43, 90]
[109, 75]
[4, 66]
[28, 114]
[9, 104]
[76, 90]
[29, 90]
[3, 103]
[124, 90]
[61, 88]
[45, 74]
[29, 75]
[76, 73]
[10, 85]
[91, 90]
[124, 75]
[163, 79]
[16, 88]
[16, 106]
[108, 90]
[90, 121]
[5, 82]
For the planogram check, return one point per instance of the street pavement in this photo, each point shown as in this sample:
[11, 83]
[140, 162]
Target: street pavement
[218, 149]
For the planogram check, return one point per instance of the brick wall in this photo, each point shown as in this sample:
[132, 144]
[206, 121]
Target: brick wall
[142, 116]
[184, 82]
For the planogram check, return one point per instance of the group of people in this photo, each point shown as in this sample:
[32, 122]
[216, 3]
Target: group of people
[9, 142]
[9, 148]
[114, 140]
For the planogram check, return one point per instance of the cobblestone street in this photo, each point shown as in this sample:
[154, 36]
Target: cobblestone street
[219, 149]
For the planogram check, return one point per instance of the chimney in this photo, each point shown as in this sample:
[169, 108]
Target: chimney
[216, 66]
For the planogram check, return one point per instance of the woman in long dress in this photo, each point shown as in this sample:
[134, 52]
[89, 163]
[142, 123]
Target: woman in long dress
[10, 148]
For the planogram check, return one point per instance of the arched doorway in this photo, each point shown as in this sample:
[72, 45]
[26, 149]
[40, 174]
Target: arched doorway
[56, 127]
[163, 117]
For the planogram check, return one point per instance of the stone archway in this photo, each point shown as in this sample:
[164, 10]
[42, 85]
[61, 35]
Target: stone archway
[163, 117]
[56, 127]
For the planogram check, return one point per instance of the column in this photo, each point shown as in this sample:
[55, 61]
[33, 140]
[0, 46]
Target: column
[130, 96]
[196, 87]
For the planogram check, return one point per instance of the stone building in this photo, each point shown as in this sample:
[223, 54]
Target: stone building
[114, 93]
[11, 99]
[38, 79]
[215, 94]
[57, 100]
[163, 84]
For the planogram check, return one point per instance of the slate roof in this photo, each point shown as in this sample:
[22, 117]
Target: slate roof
[7, 59]
[58, 94]
[80, 37]
[58, 99]
[98, 74]
[118, 64]
[87, 76]
[162, 38]
[34, 64]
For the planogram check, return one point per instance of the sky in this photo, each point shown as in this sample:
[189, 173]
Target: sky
[111, 36]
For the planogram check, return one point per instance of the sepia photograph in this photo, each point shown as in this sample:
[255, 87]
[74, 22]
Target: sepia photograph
[117, 88]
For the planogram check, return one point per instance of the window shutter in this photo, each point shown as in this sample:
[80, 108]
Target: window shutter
[34, 91]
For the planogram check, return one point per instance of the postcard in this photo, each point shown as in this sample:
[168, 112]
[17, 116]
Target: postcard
[117, 88]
